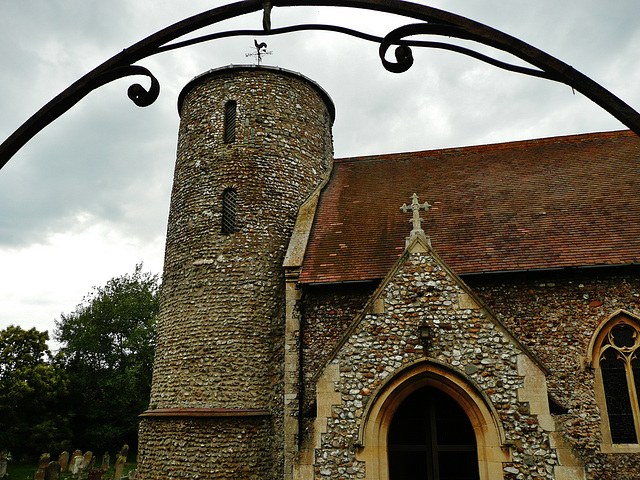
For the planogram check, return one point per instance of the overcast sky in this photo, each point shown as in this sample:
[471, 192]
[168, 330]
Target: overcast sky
[88, 198]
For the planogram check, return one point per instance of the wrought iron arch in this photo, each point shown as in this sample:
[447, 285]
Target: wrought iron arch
[426, 21]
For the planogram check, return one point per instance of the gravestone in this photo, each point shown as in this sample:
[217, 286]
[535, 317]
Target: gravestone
[77, 453]
[77, 465]
[42, 465]
[3, 468]
[95, 474]
[63, 460]
[118, 468]
[106, 458]
[86, 460]
[124, 452]
[52, 472]
[45, 458]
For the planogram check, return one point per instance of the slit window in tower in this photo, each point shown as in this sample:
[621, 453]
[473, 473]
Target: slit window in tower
[228, 211]
[230, 121]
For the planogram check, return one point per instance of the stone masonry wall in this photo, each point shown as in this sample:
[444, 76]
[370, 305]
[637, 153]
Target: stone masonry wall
[221, 321]
[328, 312]
[222, 294]
[556, 314]
[465, 339]
[242, 455]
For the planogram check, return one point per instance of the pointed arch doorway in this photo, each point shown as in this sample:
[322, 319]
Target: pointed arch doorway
[451, 398]
[431, 438]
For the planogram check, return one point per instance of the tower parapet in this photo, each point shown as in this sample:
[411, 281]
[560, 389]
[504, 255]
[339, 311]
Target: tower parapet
[254, 142]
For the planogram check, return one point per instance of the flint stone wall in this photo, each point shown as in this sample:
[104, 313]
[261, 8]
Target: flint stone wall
[221, 321]
[465, 339]
[207, 449]
[556, 315]
[222, 297]
[328, 312]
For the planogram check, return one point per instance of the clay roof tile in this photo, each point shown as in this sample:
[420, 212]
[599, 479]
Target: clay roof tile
[537, 204]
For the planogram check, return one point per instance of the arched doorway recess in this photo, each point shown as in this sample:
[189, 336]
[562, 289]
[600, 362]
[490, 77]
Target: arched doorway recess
[431, 438]
[451, 392]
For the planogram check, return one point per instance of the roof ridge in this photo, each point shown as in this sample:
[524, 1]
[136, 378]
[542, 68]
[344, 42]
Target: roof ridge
[492, 146]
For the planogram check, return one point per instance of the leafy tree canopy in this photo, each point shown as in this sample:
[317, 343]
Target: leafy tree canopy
[114, 325]
[22, 348]
[107, 349]
[33, 393]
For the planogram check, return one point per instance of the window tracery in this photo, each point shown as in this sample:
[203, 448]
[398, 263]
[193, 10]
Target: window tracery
[618, 379]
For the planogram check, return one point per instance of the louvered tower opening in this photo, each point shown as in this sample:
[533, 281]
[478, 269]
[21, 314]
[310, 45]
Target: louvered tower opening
[230, 121]
[229, 211]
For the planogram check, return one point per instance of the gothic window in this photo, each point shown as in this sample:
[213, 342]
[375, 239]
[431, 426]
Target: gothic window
[230, 121]
[431, 438]
[618, 370]
[228, 211]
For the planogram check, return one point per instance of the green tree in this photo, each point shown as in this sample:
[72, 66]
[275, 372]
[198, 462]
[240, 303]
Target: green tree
[33, 391]
[107, 349]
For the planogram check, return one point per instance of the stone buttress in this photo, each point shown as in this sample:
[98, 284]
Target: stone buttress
[254, 142]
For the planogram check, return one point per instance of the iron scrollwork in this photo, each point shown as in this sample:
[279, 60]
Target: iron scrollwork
[404, 55]
[430, 21]
[138, 94]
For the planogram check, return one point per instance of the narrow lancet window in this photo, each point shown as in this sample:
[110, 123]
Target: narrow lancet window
[616, 391]
[228, 211]
[230, 121]
[620, 371]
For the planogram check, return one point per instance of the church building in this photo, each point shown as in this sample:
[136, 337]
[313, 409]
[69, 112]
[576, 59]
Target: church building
[457, 314]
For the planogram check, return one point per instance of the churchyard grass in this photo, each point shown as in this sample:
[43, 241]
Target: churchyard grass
[24, 471]
[20, 471]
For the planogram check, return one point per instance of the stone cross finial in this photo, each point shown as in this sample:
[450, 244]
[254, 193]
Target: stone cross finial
[415, 207]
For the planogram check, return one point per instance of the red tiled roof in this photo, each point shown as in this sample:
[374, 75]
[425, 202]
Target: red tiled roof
[538, 204]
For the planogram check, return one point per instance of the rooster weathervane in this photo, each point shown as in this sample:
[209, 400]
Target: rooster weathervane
[261, 49]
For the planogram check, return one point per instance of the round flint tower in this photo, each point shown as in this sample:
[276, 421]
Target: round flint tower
[254, 142]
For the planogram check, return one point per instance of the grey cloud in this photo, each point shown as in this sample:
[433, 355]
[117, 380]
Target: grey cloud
[113, 161]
